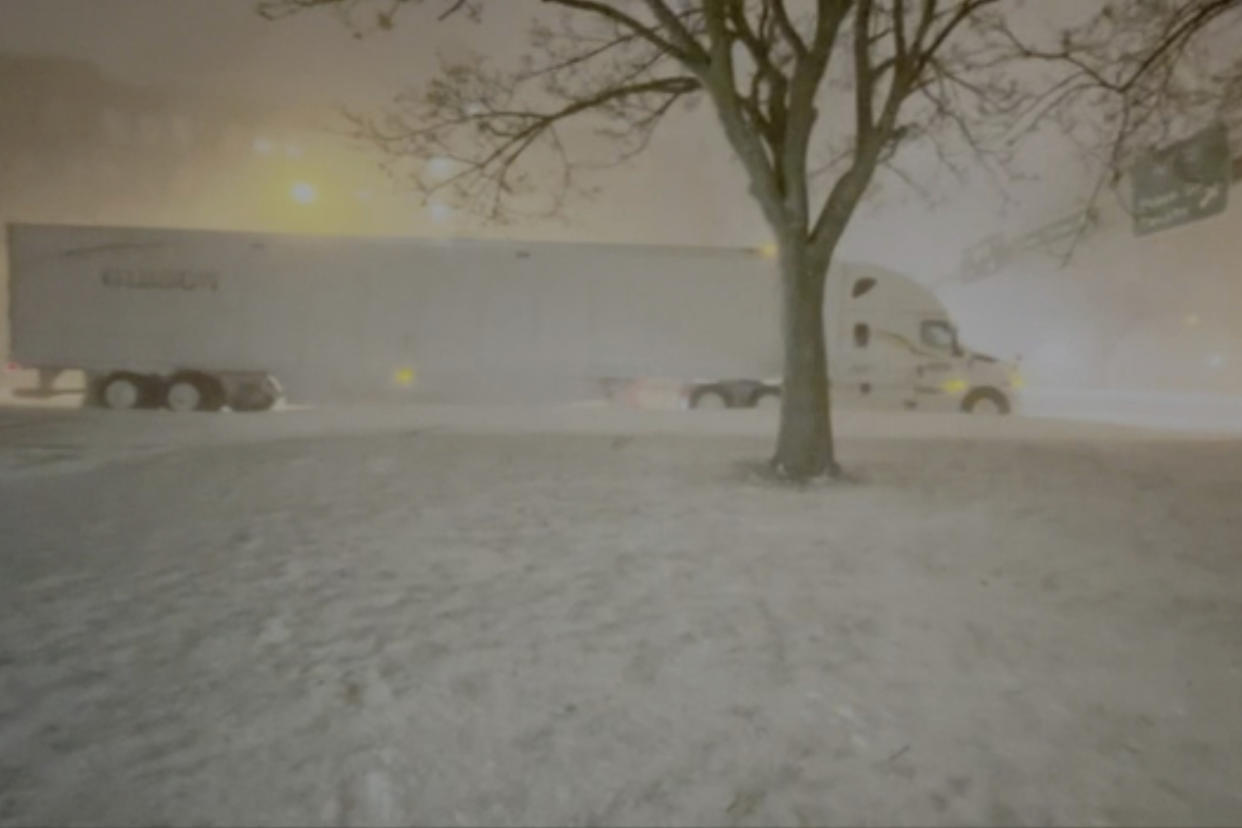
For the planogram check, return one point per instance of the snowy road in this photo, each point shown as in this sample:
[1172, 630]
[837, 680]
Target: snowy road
[594, 616]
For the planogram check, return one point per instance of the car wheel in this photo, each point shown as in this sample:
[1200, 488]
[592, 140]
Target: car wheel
[767, 400]
[710, 399]
[253, 398]
[193, 392]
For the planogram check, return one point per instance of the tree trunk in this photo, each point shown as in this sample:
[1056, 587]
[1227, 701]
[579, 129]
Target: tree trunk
[804, 447]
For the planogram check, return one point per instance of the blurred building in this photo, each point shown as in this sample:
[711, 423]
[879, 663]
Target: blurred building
[76, 146]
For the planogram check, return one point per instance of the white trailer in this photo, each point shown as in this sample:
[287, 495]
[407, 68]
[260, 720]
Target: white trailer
[200, 320]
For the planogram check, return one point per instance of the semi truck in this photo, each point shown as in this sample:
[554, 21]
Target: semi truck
[195, 320]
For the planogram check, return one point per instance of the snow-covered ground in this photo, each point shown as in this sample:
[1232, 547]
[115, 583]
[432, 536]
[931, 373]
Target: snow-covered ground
[588, 615]
[1169, 410]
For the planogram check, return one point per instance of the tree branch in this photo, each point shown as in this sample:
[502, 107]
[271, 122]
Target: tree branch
[649, 33]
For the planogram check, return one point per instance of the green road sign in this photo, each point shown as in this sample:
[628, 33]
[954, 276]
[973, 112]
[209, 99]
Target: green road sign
[1184, 182]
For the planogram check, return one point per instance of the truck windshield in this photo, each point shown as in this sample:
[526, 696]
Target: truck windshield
[938, 334]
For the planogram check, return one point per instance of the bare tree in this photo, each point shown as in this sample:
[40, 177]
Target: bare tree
[1147, 70]
[815, 97]
[364, 14]
[1131, 77]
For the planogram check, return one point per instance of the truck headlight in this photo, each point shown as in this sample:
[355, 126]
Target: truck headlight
[955, 385]
[404, 377]
[1016, 382]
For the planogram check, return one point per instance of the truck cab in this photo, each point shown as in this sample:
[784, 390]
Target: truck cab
[893, 343]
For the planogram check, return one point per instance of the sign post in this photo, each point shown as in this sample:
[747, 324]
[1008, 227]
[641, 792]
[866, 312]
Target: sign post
[1183, 182]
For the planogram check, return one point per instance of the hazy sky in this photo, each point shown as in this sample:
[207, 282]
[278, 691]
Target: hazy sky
[220, 43]
[686, 189]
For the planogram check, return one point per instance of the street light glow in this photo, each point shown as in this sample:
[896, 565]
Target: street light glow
[440, 213]
[440, 168]
[303, 193]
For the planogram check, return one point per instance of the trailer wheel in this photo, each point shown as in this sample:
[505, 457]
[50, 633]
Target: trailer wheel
[193, 392]
[712, 399]
[985, 401]
[124, 391]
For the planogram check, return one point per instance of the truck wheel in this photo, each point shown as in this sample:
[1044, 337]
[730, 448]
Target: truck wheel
[709, 398]
[124, 391]
[193, 392]
[985, 401]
